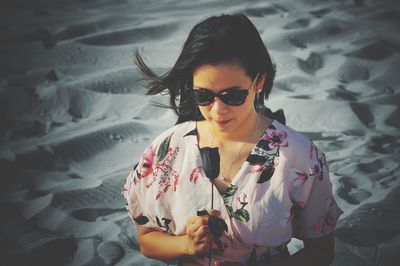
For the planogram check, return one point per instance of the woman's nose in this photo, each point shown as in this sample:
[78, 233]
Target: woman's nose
[219, 107]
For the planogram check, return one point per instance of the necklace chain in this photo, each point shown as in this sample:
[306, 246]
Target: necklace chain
[237, 157]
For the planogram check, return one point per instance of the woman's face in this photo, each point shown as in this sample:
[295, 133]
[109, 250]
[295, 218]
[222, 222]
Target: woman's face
[217, 78]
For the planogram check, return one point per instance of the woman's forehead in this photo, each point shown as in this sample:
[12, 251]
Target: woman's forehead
[220, 77]
[223, 66]
[219, 72]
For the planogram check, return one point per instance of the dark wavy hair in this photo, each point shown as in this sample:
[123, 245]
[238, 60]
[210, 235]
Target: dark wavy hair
[217, 39]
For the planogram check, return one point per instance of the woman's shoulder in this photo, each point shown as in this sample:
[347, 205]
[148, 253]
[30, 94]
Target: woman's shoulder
[294, 140]
[175, 133]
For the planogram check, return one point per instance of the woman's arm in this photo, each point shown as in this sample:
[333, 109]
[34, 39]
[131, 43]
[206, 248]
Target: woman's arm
[162, 246]
[317, 251]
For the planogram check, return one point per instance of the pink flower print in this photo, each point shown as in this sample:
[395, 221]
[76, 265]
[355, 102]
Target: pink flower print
[301, 177]
[167, 185]
[149, 159]
[158, 195]
[194, 176]
[176, 179]
[276, 139]
[149, 184]
[259, 169]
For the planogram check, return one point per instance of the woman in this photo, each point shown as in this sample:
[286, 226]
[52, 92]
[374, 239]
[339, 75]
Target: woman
[271, 183]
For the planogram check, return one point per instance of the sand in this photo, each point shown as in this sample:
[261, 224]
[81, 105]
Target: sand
[74, 119]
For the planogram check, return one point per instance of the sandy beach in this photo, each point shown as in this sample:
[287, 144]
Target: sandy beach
[74, 119]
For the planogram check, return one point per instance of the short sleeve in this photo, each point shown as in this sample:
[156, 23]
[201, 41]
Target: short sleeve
[314, 211]
[138, 210]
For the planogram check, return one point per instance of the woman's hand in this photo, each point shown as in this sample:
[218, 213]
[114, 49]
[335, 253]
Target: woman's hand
[197, 235]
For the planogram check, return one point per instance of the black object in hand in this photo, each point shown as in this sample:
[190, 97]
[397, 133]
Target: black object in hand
[211, 161]
[202, 213]
[217, 226]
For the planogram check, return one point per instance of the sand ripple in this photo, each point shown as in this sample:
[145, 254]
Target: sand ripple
[59, 155]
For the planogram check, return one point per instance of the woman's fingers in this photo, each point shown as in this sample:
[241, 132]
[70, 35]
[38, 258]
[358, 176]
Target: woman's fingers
[201, 233]
[197, 227]
[194, 224]
[197, 233]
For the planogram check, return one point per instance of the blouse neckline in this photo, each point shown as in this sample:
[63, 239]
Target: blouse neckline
[245, 163]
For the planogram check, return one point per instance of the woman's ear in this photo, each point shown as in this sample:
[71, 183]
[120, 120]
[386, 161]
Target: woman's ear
[260, 82]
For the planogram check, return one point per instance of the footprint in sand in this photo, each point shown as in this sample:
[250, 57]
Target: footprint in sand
[384, 144]
[352, 71]
[376, 51]
[350, 192]
[394, 119]
[297, 41]
[326, 31]
[297, 24]
[364, 114]
[341, 93]
[312, 64]
[80, 104]
[333, 26]
[378, 168]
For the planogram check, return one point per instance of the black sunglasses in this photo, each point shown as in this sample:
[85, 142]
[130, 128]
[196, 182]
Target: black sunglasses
[234, 96]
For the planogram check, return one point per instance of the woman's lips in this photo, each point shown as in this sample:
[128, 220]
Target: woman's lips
[222, 122]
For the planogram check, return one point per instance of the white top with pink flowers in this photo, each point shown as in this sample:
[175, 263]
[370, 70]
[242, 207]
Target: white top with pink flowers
[282, 190]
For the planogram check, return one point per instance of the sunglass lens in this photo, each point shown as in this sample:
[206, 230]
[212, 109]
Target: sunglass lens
[234, 97]
[203, 97]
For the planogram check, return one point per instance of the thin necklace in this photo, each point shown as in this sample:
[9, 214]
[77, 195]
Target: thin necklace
[237, 157]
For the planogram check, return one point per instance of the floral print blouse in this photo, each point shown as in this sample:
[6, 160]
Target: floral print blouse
[282, 190]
